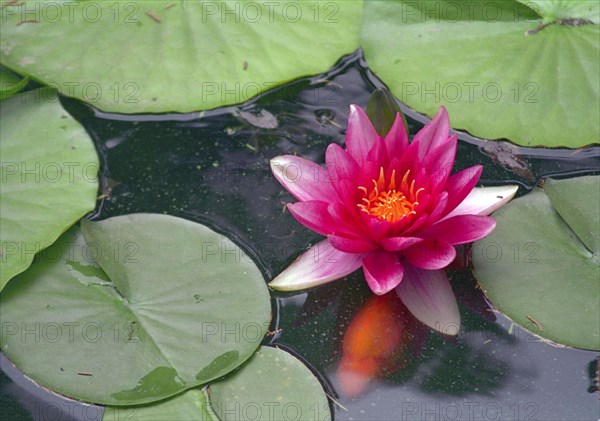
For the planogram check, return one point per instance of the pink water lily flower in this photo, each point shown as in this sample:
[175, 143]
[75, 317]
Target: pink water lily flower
[394, 208]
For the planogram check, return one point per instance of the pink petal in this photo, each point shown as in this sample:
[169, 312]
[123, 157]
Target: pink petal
[426, 202]
[340, 164]
[410, 160]
[400, 228]
[416, 225]
[430, 254]
[399, 243]
[383, 271]
[439, 162]
[347, 191]
[434, 133]
[440, 208]
[422, 179]
[369, 171]
[484, 200]
[361, 135]
[377, 228]
[378, 154]
[429, 297]
[314, 216]
[459, 185]
[397, 138]
[320, 264]
[304, 179]
[345, 218]
[349, 245]
[461, 229]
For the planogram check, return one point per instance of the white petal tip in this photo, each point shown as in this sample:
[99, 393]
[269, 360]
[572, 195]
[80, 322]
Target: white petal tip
[292, 284]
[317, 266]
[277, 163]
[484, 200]
[512, 190]
[502, 195]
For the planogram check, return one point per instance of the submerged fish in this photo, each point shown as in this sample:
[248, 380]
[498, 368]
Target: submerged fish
[381, 339]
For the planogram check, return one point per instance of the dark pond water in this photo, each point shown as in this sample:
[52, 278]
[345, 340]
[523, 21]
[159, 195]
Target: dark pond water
[213, 168]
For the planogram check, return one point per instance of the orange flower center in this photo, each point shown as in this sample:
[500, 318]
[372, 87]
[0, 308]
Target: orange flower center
[388, 203]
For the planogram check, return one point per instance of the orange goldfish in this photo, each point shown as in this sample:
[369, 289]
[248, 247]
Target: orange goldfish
[379, 340]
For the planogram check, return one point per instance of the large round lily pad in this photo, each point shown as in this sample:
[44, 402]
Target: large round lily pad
[497, 66]
[536, 268]
[49, 176]
[134, 309]
[272, 385]
[156, 56]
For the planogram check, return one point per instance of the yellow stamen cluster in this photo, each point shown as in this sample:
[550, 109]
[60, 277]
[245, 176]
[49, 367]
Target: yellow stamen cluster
[388, 203]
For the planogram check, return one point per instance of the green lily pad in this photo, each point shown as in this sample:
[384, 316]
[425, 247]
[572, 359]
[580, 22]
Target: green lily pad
[178, 56]
[537, 270]
[498, 71]
[189, 406]
[272, 385]
[10, 83]
[134, 309]
[49, 176]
